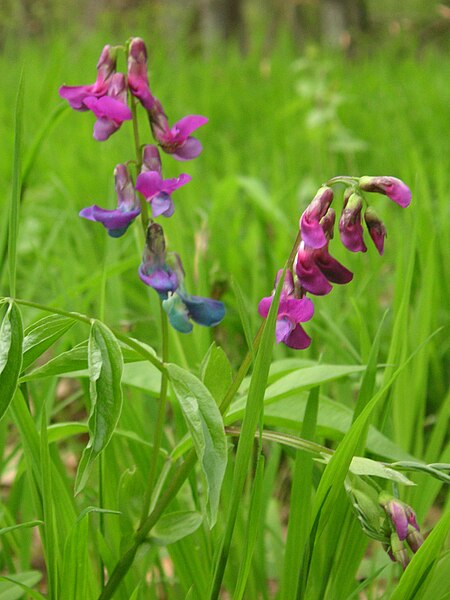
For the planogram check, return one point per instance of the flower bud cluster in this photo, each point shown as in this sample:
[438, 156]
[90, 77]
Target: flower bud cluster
[313, 269]
[111, 99]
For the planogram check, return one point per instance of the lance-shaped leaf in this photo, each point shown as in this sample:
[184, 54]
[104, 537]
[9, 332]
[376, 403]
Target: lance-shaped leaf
[11, 337]
[105, 364]
[175, 526]
[206, 428]
[41, 335]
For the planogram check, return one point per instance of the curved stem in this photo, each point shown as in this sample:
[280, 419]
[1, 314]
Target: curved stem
[138, 151]
[346, 179]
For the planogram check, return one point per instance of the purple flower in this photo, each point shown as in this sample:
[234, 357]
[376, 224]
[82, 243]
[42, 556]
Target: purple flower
[392, 187]
[376, 228]
[182, 307]
[310, 227]
[151, 161]
[350, 227]
[291, 312]
[316, 268]
[111, 110]
[400, 515]
[157, 190]
[177, 140]
[117, 221]
[137, 73]
[154, 270]
[77, 94]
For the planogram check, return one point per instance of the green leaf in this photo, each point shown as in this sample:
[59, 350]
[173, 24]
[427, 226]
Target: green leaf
[175, 526]
[11, 337]
[41, 335]
[14, 586]
[20, 526]
[65, 363]
[205, 425]
[216, 372]
[105, 372]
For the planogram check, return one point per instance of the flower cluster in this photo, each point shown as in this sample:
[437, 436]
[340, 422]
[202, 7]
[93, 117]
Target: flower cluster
[113, 98]
[313, 269]
[386, 519]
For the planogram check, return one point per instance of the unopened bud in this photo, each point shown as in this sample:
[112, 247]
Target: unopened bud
[376, 228]
[392, 187]
[350, 228]
[310, 227]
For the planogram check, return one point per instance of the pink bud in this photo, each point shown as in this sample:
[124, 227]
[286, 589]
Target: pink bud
[310, 227]
[376, 228]
[392, 187]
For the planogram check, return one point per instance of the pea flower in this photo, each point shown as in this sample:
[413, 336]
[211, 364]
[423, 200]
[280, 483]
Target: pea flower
[157, 190]
[137, 73]
[291, 312]
[392, 187]
[111, 110]
[350, 227]
[400, 514]
[77, 94]
[154, 270]
[128, 208]
[376, 229]
[310, 227]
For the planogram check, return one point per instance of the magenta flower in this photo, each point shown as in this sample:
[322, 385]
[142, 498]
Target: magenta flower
[137, 73]
[111, 110]
[157, 190]
[151, 161]
[392, 187]
[350, 227]
[376, 228]
[154, 270]
[400, 515]
[291, 312]
[128, 208]
[316, 268]
[310, 227]
[177, 140]
[77, 94]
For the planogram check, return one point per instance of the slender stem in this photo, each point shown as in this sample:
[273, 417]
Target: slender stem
[101, 515]
[159, 428]
[130, 342]
[137, 147]
[342, 179]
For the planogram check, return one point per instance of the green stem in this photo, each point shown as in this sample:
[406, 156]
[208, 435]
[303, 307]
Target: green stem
[130, 342]
[346, 179]
[101, 515]
[137, 147]
[159, 421]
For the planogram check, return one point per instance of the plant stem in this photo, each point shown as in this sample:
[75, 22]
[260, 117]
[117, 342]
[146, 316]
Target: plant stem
[346, 179]
[138, 151]
[159, 421]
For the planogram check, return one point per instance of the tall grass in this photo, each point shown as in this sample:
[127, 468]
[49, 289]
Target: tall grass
[278, 128]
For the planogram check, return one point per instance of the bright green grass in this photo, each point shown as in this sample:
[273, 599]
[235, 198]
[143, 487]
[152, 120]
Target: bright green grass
[236, 220]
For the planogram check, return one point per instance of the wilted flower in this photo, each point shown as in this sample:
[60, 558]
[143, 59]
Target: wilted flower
[181, 307]
[392, 187]
[310, 227]
[128, 208]
[376, 228]
[157, 190]
[154, 269]
[111, 110]
[291, 312]
[77, 94]
[137, 73]
[350, 227]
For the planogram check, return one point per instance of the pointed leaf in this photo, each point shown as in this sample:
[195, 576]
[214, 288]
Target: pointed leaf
[11, 336]
[175, 526]
[105, 372]
[205, 425]
[41, 335]
[216, 372]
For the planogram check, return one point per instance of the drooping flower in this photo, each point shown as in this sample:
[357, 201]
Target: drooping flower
[376, 229]
[117, 221]
[350, 227]
[77, 94]
[182, 307]
[111, 110]
[291, 312]
[310, 227]
[177, 140]
[392, 187]
[157, 190]
[154, 269]
[137, 73]
[315, 268]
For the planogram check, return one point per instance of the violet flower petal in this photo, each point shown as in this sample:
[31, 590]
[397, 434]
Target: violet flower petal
[283, 328]
[298, 339]
[162, 204]
[190, 149]
[185, 126]
[264, 306]
[298, 310]
[204, 311]
[310, 276]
